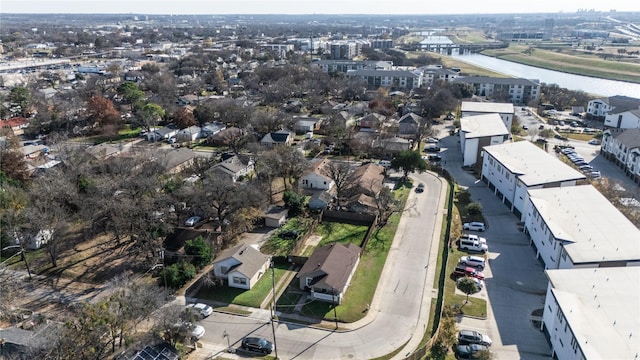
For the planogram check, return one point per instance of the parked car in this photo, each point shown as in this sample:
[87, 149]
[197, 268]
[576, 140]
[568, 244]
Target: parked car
[473, 245]
[594, 142]
[435, 158]
[525, 127]
[479, 283]
[192, 221]
[475, 237]
[257, 344]
[197, 332]
[466, 337]
[432, 140]
[432, 148]
[473, 226]
[560, 137]
[200, 309]
[470, 351]
[594, 174]
[541, 127]
[420, 188]
[462, 271]
[474, 261]
[289, 234]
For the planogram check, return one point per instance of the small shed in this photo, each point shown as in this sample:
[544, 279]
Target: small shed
[276, 216]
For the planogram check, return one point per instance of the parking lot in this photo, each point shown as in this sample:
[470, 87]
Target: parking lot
[515, 284]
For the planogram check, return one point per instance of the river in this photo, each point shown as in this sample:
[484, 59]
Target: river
[601, 87]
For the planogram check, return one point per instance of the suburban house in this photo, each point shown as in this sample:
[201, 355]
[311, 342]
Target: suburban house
[395, 79]
[593, 313]
[241, 266]
[622, 147]
[317, 176]
[234, 167]
[212, 128]
[192, 133]
[16, 124]
[511, 169]
[577, 226]
[370, 121]
[320, 201]
[34, 151]
[516, 90]
[367, 179]
[305, 125]
[280, 137]
[224, 137]
[505, 110]
[599, 108]
[175, 160]
[275, 216]
[361, 204]
[392, 145]
[160, 134]
[623, 119]
[409, 125]
[328, 271]
[479, 131]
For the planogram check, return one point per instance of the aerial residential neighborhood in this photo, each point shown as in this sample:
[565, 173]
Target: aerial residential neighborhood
[316, 186]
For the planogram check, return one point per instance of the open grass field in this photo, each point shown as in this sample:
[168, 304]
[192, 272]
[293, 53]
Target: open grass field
[570, 62]
[465, 69]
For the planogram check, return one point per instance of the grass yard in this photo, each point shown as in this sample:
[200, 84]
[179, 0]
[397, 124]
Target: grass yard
[333, 232]
[579, 136]
[280, 246]
[582, 64]
[252, 298]
[465, 68]
[365, 280]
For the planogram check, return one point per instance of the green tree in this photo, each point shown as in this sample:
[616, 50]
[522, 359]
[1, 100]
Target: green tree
[21, 97]
[468, 286]
[546, 133]
[475, 208]
[130, 93]
[408, 161]
[151, 113]
[179, 274]
[201, 252]
[294, 201]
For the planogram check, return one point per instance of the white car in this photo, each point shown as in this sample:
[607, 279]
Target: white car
[200, 309]
[192, 221]
[197, 332]
[472, 261]
[473, 226]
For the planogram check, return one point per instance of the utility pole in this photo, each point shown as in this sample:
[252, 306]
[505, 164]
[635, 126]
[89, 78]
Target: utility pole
[273, 307]
[333, 301]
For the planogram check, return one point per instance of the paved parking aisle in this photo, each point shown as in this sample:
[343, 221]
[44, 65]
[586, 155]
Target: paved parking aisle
[515, 284]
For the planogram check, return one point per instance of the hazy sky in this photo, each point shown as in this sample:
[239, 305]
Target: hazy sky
[416, 7]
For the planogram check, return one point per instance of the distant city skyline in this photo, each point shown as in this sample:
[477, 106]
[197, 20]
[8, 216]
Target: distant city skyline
[298, 7]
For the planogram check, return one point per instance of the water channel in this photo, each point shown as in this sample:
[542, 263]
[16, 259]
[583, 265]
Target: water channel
[601, 87]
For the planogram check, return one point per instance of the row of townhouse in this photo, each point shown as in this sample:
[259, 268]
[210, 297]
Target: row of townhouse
[622, 147]
[590, 250]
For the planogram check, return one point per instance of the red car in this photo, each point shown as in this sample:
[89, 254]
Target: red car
[460, 271]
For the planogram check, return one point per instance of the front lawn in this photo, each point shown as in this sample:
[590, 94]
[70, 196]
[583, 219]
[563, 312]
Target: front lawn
[252, 298]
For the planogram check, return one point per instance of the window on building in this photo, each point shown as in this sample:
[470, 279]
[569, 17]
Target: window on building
[239, 280]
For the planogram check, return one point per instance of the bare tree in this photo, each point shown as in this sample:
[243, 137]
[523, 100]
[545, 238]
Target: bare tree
[340, 173]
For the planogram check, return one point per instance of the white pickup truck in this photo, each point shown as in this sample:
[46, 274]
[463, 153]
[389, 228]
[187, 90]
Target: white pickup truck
[472, 242]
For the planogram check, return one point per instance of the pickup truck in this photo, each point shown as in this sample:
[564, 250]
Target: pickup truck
[473, 237]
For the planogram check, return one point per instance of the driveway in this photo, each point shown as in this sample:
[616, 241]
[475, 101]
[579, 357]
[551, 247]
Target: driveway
[515, 284]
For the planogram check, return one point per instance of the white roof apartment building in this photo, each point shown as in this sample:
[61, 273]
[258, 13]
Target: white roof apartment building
[593, 313]
[576, 227]
[505, 110]
[479, 131]
[511, 169]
